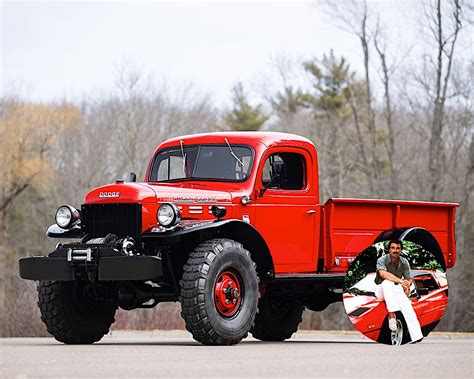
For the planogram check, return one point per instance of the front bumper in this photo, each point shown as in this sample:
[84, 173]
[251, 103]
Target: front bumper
[99, 263]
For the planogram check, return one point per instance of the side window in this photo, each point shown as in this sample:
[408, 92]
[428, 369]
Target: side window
[293, 173]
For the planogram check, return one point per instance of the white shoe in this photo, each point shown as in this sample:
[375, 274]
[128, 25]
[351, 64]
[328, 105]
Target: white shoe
[392, 323]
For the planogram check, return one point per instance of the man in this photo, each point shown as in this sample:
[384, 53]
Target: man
[393, 285]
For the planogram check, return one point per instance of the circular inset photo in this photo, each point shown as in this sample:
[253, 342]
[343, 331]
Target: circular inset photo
[395, 292]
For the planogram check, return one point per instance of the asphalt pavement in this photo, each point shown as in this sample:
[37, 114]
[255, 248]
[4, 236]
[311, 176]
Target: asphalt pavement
[176, 354]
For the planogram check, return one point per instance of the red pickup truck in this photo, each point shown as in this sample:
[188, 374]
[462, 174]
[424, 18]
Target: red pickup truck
[230, 225]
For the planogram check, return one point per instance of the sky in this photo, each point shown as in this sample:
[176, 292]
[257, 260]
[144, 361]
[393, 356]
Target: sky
[71, 50]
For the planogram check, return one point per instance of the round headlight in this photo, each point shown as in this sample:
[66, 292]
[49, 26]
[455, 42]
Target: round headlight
[66, 216]
[168, 215]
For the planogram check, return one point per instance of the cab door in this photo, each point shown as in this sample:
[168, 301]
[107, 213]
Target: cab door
[286, 213]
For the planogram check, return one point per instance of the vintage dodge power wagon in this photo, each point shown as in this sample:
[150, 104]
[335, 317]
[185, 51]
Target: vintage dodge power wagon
[228, 224]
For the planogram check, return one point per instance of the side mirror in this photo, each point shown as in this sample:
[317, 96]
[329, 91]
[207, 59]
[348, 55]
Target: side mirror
[131, 177]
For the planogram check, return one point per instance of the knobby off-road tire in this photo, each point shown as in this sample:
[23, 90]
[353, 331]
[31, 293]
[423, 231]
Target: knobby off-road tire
[214, 270]
[277, 318]
[70, 316]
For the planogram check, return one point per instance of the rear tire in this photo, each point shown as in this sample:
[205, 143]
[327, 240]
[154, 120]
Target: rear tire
[70, 315]
[219, 292]
[277, 319]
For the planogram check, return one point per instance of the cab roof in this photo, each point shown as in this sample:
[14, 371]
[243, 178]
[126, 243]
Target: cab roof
[250, 138]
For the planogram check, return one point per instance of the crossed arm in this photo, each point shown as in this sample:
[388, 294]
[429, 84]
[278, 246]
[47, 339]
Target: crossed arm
[404, 282]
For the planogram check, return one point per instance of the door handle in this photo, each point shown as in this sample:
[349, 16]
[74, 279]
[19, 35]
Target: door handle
[311, 211]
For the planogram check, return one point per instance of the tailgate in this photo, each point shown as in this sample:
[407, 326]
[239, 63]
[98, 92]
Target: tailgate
[352, 225]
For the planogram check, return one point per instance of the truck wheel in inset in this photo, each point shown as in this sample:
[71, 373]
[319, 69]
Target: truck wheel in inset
[277, 318]
[219, 292]
[72, 316]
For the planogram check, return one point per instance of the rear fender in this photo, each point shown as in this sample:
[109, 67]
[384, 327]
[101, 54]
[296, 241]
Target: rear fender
[418, 235]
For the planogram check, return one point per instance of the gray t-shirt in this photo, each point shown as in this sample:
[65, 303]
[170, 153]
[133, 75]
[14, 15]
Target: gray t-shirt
[402, 269]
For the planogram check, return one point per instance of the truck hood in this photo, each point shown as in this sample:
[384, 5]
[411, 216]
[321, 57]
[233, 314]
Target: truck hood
[122, 193]
[155, 193]
[187, 193]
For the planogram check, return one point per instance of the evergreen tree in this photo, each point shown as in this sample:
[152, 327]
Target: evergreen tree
[287, 101]
[243, 116]
[330, 103]
[332, 81]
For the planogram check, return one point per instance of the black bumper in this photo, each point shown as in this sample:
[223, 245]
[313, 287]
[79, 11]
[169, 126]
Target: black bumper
[106, 268]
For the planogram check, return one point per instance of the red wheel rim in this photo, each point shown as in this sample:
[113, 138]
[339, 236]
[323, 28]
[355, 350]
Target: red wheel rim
[227, 294]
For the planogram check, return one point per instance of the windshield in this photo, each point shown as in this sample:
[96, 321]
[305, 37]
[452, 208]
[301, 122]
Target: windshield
[365, 286]
[204, 162]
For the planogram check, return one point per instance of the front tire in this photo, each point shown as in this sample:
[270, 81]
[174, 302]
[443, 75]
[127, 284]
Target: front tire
[70, 315]
[277, 319]
[398, 337]
[219, 292]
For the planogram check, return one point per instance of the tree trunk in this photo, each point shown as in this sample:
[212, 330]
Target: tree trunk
[436, 152]
[388, 113]
[361, 145]
[461, 308]
[334, 168]
[3, 272]
[370, 111]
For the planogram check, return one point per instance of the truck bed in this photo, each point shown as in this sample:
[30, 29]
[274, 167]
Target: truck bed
[351, 225]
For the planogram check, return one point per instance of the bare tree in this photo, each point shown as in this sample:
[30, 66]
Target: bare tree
[443, 22]
[355, 18]
[386, 73]
[28, 133]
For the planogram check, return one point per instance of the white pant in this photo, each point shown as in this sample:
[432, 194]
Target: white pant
[396, 300]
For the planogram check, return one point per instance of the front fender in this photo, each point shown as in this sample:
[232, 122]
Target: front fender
[237, 230]
[54, 231]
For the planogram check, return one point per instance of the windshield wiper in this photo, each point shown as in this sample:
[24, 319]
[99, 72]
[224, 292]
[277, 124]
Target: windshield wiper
[184, 157]
[233, 154]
